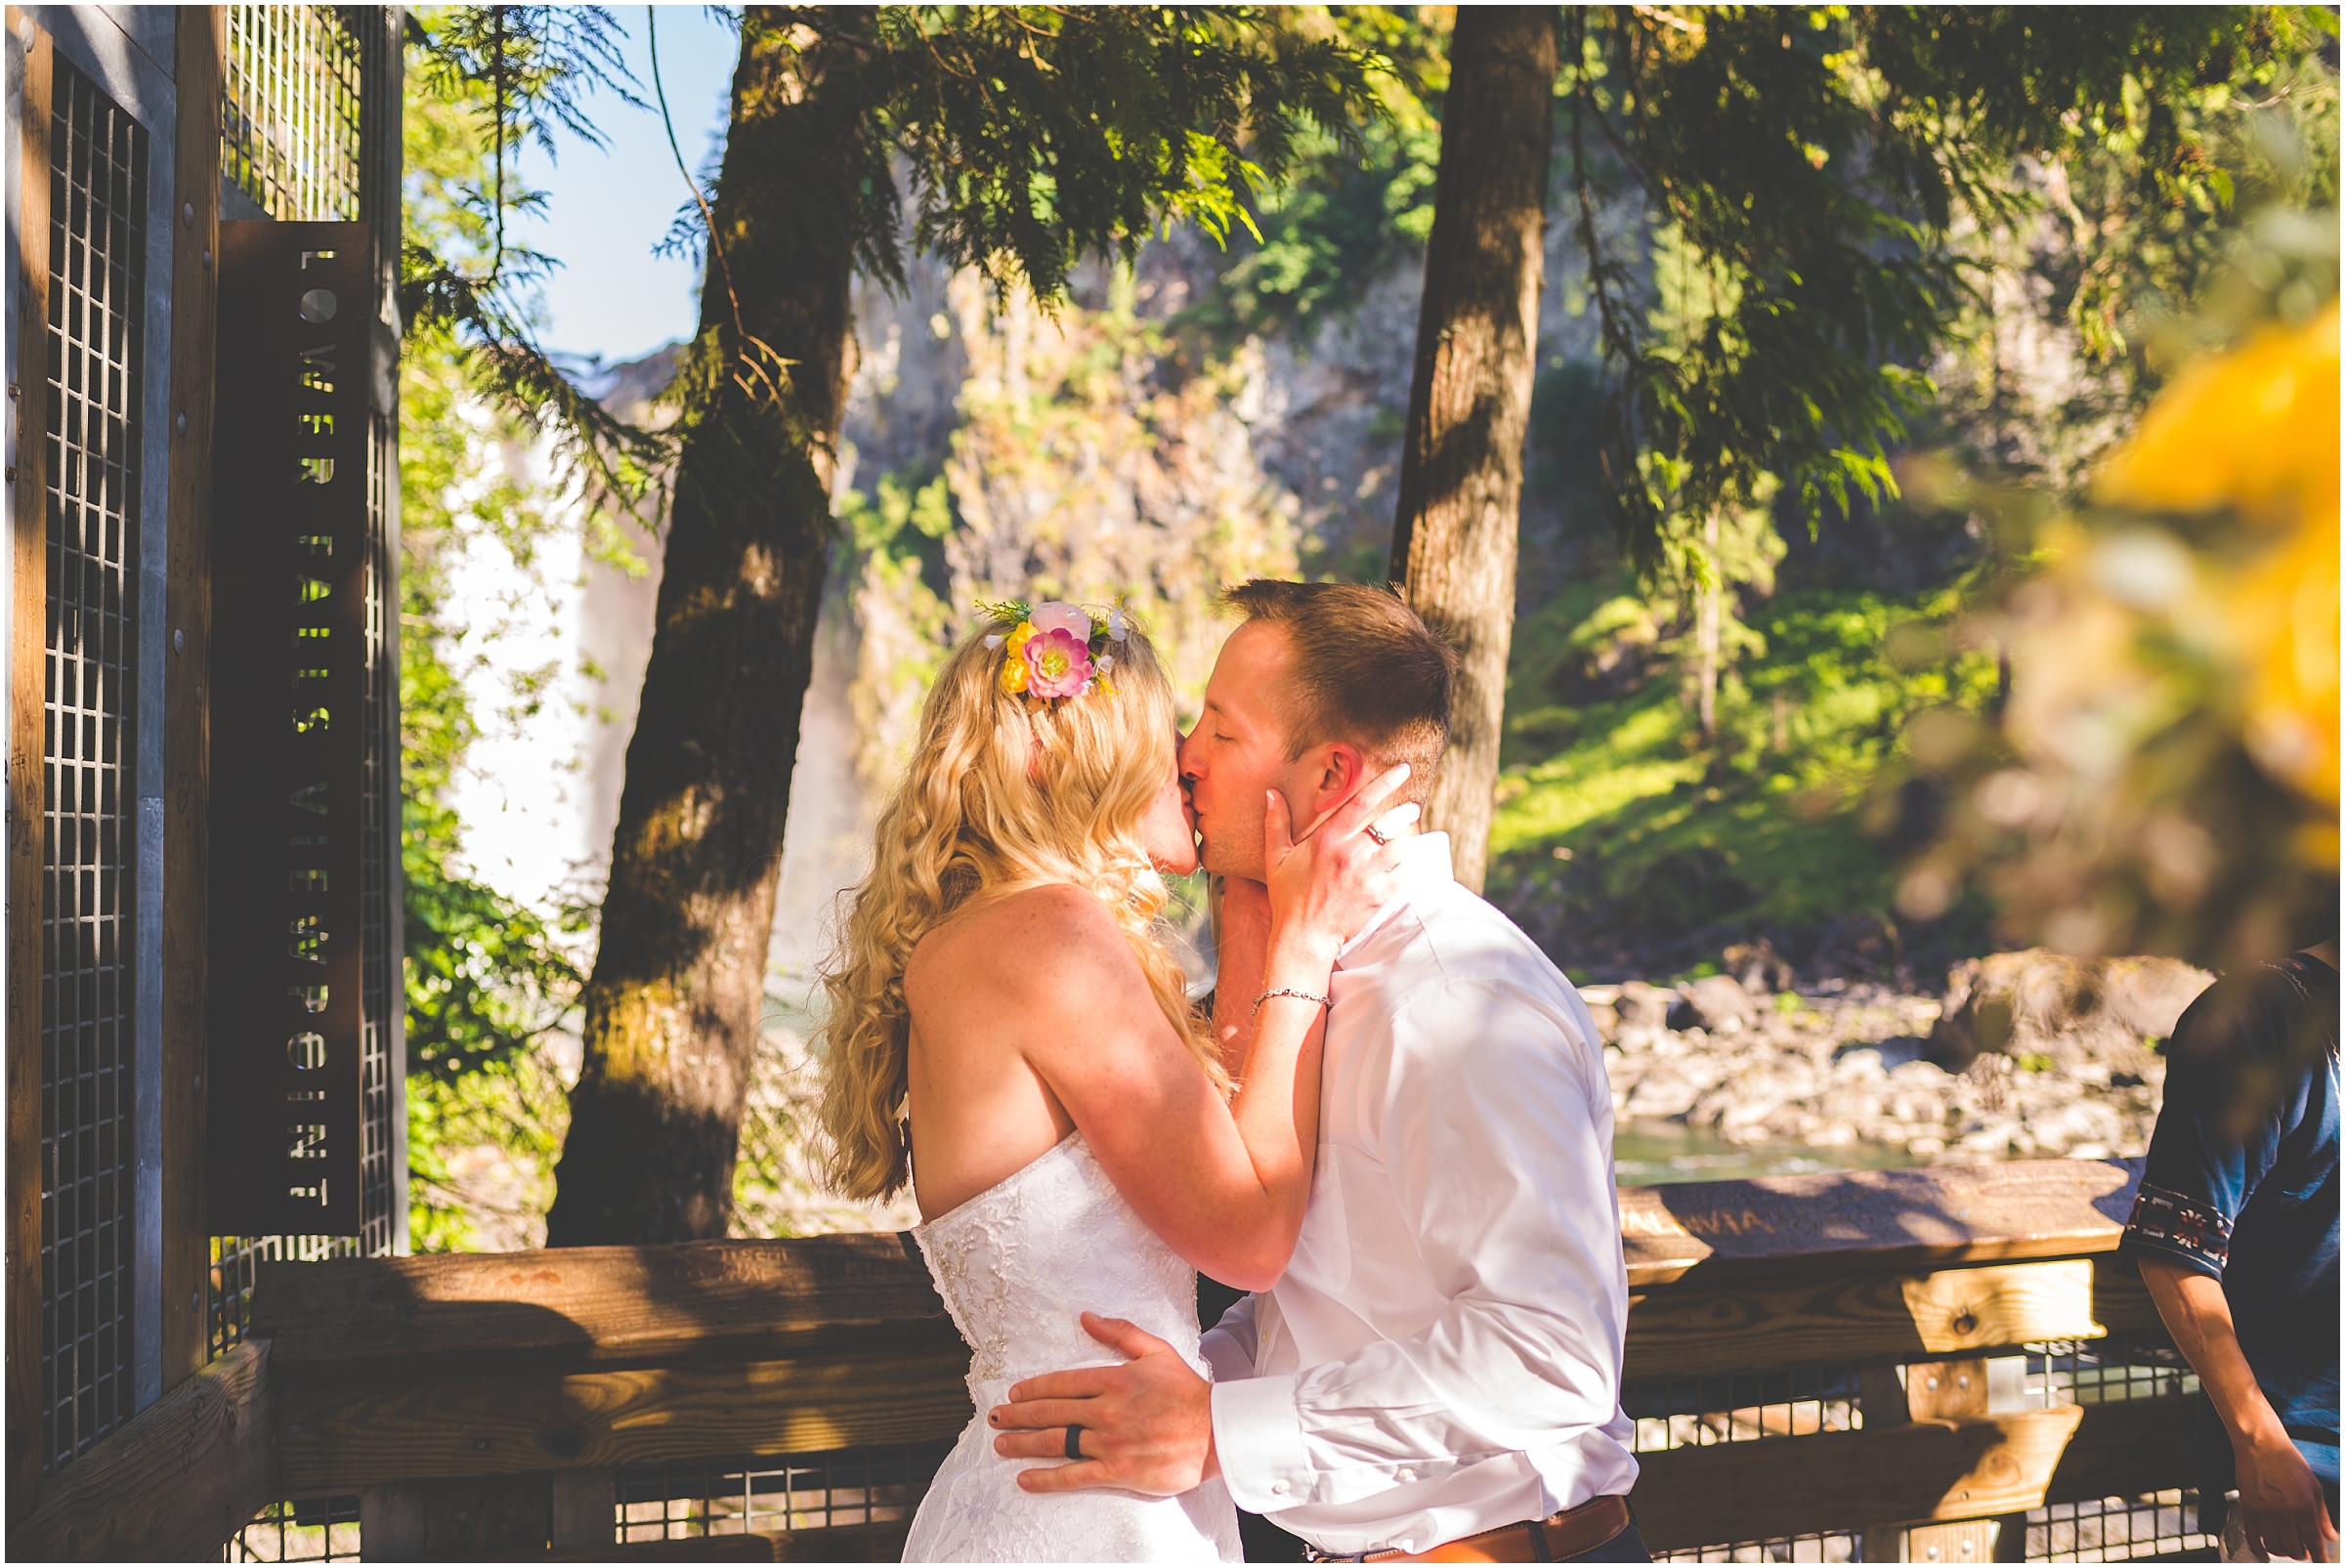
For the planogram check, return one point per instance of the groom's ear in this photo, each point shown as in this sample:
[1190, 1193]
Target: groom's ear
[1339, 769]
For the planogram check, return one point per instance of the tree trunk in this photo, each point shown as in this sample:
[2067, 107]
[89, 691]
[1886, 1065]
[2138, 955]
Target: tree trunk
[1709, 604]
[679, 981]
[1469, 399]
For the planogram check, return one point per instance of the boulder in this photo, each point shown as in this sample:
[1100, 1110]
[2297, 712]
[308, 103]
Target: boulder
[1719, 1005]
[2071, 1011]
[1643, 1006]
[1759, 966]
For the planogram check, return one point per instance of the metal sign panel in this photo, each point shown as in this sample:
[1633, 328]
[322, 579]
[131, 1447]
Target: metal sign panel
[288, 670]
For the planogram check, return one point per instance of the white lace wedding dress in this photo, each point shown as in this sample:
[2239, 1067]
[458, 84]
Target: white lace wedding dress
[1016, 1265]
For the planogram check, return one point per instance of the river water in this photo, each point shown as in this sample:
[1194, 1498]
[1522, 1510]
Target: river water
[1651, 1154]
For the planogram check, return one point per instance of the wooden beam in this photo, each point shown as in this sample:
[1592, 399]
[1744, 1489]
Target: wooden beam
[1913, 1473]
[173, 1483]
[27, 656]
[1677, 1332]
[597, 1304]
[339, 1434]
[1717, 1232]
[187, 667]
[605, 1303]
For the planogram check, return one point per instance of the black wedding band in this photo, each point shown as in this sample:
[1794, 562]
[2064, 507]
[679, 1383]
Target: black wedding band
[1379, 838]
[1074, 1441]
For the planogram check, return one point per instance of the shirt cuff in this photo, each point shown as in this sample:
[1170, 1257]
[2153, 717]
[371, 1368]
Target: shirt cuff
[1258, 1436]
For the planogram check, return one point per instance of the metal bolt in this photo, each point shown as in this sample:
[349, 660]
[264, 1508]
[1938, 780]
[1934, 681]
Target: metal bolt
[187, 215]
[1934, 1385]
[183, 424]
[207, 257]
[179, 641]
[293, 1430]
[199, 697]
[1963, 1381]
[194, 1299]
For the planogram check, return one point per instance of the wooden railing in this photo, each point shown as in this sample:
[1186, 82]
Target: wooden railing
[481, 1402]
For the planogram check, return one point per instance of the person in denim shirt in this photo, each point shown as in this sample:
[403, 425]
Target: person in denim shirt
[2234, 1227]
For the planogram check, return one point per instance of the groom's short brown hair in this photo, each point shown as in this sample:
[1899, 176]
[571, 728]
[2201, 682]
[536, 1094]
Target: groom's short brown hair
[1367, 670]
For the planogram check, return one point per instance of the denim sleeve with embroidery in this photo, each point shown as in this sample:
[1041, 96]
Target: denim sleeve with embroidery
[2198, 1176]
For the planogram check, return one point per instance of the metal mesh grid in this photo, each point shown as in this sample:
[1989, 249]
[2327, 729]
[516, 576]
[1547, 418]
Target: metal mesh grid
[2105, 1372]
[97, 279]
[767, 1496]
[290, 121]
[377, 807]
[1831, 1547]
[234, 1261]
[314, 1530]
[1743, 1407]
[2155, 1524]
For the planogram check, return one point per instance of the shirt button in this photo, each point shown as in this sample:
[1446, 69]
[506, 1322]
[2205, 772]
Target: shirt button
[1282, 1488]
[1405, 1475]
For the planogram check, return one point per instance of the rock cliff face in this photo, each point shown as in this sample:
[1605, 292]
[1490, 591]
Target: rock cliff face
[1114, 446]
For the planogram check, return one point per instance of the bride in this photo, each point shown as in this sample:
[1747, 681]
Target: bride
[1071, 1139]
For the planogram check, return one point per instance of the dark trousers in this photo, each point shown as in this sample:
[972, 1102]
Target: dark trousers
[1266, 1542]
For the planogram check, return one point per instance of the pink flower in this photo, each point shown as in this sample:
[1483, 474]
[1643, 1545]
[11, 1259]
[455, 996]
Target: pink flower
[1058, 664]
[1057, 615]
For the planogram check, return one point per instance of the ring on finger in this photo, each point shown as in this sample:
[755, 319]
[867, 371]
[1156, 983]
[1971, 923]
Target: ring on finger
[1074, 1441]
[1379, 838]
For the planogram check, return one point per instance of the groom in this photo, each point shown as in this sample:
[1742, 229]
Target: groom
[1438, 1375]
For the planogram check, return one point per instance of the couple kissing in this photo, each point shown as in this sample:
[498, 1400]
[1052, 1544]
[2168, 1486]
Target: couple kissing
[1396, 1128]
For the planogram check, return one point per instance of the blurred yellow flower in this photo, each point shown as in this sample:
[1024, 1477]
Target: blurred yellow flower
[2254, 430]
[1014, 674]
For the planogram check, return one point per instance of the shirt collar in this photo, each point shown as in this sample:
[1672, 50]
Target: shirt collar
[1424, 864]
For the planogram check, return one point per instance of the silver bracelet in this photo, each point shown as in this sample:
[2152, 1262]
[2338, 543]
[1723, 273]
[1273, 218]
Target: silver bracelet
[1285, 992]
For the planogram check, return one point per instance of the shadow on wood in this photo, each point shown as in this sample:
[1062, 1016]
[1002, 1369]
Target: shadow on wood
[173, 1482]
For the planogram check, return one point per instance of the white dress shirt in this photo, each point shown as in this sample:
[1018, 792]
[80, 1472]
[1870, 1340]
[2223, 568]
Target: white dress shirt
[1442, 1356]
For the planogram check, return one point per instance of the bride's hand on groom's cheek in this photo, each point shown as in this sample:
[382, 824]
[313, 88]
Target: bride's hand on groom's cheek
[1147, 1425]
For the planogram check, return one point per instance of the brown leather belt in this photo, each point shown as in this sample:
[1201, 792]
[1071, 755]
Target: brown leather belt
[1554, 1539]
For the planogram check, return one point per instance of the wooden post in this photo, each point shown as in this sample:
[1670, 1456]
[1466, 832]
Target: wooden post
[187, 670]
[1932, 1390]
[585, 1510]
[460, 1519]
[28, 653]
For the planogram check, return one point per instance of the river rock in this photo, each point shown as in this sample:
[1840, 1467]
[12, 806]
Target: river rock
[1719, 1005]
[1643, 1006]
[2075, 1012]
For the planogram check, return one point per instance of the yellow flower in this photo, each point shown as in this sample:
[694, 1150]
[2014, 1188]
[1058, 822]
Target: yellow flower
[1013, 675]
[2284, 612]
[1017, 642]
[1101, 685]
[2254, 429]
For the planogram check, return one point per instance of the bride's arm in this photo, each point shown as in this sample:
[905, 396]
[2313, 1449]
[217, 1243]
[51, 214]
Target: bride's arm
[1224, 1184]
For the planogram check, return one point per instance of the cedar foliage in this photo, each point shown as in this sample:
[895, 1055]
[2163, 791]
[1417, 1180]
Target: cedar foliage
[1817, 160]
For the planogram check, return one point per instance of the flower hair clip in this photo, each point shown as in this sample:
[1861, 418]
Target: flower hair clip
[1055, 650]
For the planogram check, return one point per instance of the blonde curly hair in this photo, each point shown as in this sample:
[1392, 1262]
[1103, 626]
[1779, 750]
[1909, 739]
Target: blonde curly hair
[1002, 795]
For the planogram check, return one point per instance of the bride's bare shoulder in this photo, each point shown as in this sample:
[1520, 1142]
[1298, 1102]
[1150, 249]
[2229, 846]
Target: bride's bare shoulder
[1037, 942]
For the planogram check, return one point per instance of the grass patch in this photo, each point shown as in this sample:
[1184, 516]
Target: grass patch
[1620, 839]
